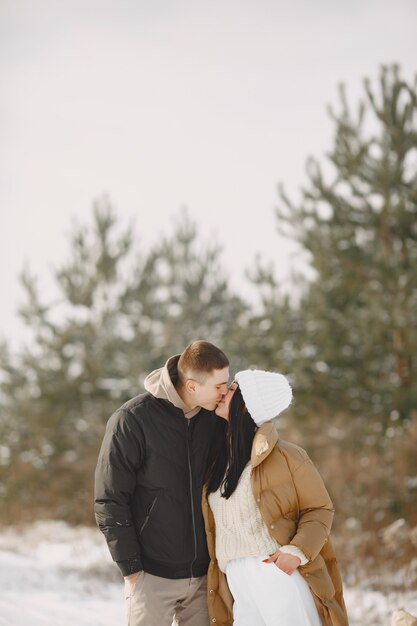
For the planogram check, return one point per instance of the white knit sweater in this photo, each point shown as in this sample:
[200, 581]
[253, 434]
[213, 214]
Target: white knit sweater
[240, 529]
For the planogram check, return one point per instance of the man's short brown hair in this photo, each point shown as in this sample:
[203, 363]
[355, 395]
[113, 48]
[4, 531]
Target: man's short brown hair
[198, 360]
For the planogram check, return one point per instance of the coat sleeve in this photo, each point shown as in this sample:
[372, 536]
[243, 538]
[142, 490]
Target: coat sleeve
[315, 510]
[121, 455]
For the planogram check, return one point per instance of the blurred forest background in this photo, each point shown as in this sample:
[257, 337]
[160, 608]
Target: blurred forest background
[346, 336]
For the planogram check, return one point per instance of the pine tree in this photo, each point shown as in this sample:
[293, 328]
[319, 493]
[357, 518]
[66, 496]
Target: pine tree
[184, 293]
[357, 219]
[118, 314]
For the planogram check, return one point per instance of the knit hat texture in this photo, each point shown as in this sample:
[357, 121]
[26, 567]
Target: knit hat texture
[266, 394]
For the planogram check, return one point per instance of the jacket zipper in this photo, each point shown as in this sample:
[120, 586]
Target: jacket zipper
[191, 496]
[148, 514]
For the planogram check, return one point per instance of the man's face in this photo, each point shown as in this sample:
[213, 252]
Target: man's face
[222, 409]
[208, 394]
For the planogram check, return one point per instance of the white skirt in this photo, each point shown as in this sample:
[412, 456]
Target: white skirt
[265, 596]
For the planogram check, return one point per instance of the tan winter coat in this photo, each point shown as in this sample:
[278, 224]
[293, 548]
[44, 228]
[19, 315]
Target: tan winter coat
[297, 509]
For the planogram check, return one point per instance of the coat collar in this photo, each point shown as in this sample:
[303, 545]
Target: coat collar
[264, 442]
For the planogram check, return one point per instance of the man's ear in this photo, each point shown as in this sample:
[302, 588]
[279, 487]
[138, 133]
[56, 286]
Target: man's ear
[190, 385]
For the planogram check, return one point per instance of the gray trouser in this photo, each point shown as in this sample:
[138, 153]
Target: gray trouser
[156, 601]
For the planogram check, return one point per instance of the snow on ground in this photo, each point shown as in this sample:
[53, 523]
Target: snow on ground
[54, 575]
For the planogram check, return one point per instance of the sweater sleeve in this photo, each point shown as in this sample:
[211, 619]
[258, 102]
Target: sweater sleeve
[120, 457]
[295, 552]
[315, 510]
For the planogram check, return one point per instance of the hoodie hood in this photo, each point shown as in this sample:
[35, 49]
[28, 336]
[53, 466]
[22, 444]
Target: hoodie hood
[161, 384]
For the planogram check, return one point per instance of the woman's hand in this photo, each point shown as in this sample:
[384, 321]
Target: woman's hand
[288, 563]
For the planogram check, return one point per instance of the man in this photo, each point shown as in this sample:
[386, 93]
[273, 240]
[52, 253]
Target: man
[148, 486]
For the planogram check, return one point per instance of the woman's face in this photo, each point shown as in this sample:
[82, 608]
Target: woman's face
[222, 409]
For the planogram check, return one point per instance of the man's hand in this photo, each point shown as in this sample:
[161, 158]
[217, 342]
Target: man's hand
[132, 578]
[288, 563]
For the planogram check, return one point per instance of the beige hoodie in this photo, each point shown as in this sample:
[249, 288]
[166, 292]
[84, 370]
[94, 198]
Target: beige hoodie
[161, 384]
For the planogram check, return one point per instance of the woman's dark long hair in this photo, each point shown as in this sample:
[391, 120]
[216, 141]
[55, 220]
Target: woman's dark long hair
[231, 448]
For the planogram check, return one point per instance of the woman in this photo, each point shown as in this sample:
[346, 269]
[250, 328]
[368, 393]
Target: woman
[267, 516]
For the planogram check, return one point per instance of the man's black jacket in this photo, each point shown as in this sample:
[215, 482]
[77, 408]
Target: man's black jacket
[148, 484]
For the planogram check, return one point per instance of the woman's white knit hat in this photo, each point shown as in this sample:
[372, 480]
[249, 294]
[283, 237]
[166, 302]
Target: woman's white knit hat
[266, 394]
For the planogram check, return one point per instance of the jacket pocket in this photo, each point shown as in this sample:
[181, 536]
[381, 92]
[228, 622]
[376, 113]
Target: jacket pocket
[318, 578]
[148, 515]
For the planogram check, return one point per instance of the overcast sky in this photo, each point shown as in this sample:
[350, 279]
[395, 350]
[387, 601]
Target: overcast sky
[164, 104]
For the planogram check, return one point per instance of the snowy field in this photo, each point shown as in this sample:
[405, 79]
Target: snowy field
[55, 575]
